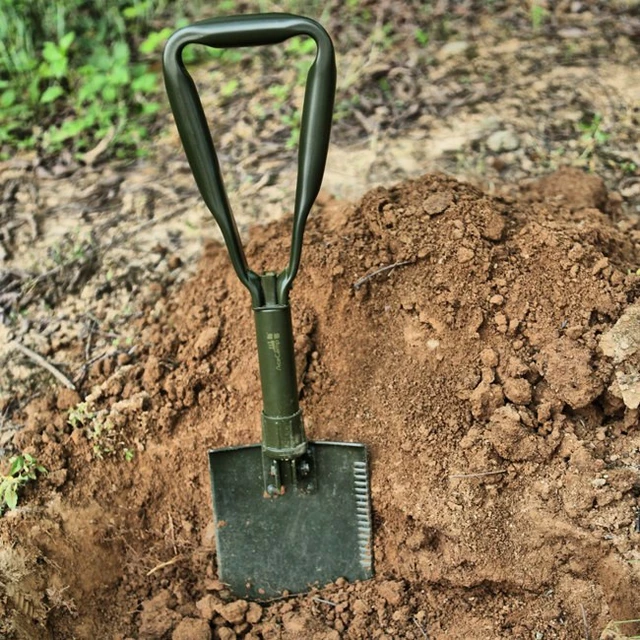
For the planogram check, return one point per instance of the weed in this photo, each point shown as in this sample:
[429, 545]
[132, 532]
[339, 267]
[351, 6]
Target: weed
[629, 167]
[592, 134]
[100, 431]
[74, 72]
[591, 127]
[22, 469]
[538, 15]
[421, 37]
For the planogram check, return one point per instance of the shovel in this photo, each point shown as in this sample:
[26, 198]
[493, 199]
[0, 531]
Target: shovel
[290, 514]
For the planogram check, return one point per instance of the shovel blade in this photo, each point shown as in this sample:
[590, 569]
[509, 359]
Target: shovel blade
[295, 541]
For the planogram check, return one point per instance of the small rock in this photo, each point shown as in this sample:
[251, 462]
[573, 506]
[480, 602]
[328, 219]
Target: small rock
[503, 140]
[123, 359]
[392, 591]
[58, 478]
[501, 322]
[489, 358]
[599, 266]
[453, 48]
[173, 262]
[66, 399]
[485, 399]
[496, 300]
[192, 629]
[224, 633]
[493, 227]
[157, 618]
[296, 624]
[214, 585]
[254, 613]
[359, 607]
[207, 341]
[234, 611]
[465, 254]
[437, 203]
[152, 372]
[208, 606]
[518, 390]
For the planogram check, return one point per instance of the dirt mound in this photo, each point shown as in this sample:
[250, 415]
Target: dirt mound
[455, 334]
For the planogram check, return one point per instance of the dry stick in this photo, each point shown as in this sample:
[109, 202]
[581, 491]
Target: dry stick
[360, 281]
[172, 531]
[423, 631]
[587, 634]
[480, 474]
[39, 360]
[162, 565]
[323, 601]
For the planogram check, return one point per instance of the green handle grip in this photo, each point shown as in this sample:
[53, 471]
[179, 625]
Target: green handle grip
[243, 31]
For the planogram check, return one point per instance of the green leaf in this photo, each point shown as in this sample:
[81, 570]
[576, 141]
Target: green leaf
[67, 40]
[11, 497]
[8, 98]
[51, 93]
[119, 76]
[109, 93]
[149, 108]
[121, 53]
[146, 83]
[51, 53]
[154, 40]
[16, 465]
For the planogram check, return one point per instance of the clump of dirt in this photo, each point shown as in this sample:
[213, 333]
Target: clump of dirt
[456, 335]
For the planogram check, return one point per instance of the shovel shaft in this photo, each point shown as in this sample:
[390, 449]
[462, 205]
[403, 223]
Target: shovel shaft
[282, 429]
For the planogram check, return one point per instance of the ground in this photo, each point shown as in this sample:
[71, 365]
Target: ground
[490, 372]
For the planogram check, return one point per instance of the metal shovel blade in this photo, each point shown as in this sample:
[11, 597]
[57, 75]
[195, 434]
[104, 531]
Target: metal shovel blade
[297, 540]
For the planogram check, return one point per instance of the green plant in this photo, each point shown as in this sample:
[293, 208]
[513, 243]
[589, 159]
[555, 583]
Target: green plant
[421, 37]
[23, 468]
[592, 134]
[100, 431]
[538, 15]
[76, 73]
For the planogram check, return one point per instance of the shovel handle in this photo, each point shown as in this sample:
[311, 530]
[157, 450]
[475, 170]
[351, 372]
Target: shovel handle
[245, 31]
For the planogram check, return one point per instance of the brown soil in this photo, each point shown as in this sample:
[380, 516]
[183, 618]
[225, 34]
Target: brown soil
[504, 458]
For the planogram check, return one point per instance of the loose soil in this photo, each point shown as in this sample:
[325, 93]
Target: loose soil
[460, 336]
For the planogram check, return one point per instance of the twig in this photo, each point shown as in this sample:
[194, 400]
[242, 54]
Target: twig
[360, 281]
[172, 531]
[39, 360]
[423, 631]
[163, 565]
[480, 474]
[587, 633]
[323, 601]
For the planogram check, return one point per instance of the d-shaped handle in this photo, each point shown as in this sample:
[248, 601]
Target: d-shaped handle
[245, 31]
